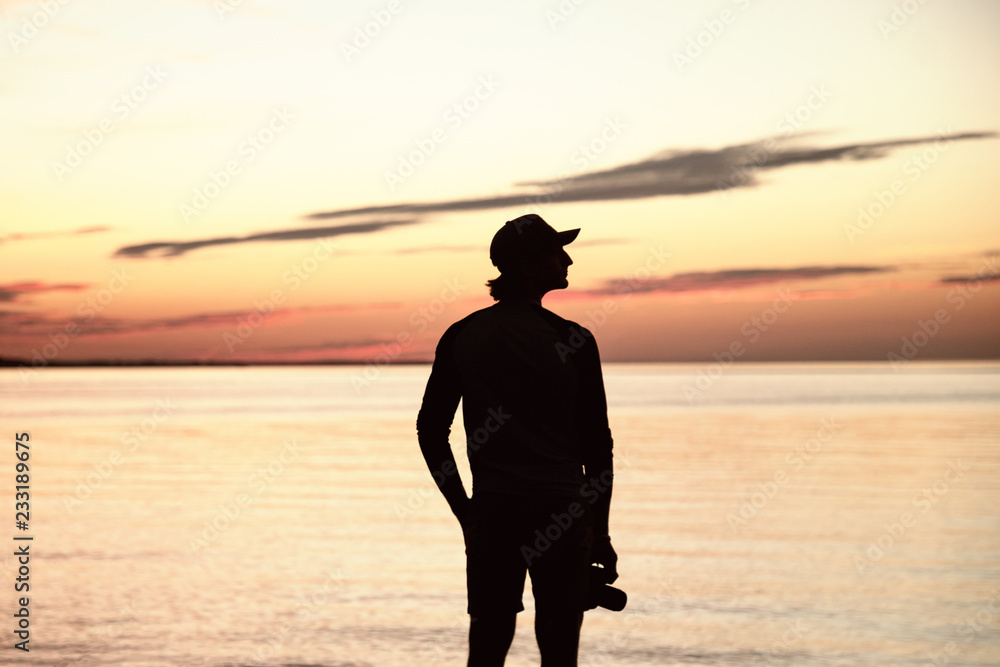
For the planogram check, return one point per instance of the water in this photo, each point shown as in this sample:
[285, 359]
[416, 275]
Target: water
[773, 514]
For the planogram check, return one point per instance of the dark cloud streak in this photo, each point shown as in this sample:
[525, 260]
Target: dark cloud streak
[31, 236]
[175, 248]
[15, 291]
[729, 279]
[26, 324]
[951, 280]
[668, 173]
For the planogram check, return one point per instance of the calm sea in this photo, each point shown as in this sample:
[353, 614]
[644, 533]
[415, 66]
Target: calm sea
[837, 514]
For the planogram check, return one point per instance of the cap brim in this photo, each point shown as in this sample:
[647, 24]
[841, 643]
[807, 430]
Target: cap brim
[567, 236]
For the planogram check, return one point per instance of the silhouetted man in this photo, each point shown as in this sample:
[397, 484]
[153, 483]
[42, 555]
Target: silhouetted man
[539, 448]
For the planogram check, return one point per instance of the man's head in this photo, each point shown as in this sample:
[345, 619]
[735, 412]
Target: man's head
[530, 256]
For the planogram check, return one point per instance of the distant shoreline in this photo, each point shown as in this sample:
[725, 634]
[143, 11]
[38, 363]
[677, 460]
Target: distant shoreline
[19, 363]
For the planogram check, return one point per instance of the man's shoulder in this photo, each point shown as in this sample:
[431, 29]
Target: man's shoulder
[472, 317]
[485, 318]
[561, 323]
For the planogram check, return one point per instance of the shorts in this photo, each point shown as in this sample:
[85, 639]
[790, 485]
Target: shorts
[550, 538]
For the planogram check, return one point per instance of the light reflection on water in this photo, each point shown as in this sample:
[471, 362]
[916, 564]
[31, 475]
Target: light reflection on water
[276, 516]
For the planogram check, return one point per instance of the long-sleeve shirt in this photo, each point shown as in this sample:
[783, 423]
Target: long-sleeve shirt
[534, 406]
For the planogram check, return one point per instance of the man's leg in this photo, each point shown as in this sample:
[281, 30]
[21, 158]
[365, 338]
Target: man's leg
[490, 636]
[560, 581]
[558, 635]
[495, 573]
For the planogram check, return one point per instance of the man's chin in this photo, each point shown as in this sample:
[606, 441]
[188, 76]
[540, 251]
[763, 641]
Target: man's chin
[561, 283]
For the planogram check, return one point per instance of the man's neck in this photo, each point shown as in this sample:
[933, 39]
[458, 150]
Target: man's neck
[522, 299]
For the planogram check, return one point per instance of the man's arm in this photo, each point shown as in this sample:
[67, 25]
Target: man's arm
[597, 445]
[437, 412]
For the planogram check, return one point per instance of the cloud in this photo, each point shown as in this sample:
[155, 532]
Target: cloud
[481, 248]
[439, 248]
[25, 325]
[362, 343]
[596, 242]
[356, 351]
[15, 291]
[228, 318]
[987, 272]
[17, 319]
[31, 236]
[729, 279]
[668, 173]
[989, 278]
[175, 248]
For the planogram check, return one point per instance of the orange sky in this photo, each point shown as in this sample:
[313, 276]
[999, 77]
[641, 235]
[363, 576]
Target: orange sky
[265, 184]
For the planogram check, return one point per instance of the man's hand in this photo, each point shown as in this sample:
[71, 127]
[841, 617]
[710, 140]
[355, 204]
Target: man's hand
[604, 554]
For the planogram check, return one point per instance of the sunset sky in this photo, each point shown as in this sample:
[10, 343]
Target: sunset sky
[301, 180]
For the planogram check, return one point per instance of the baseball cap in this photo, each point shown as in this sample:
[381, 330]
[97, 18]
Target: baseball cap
[525, 235]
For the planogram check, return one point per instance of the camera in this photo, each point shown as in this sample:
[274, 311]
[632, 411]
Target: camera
[601, 594]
